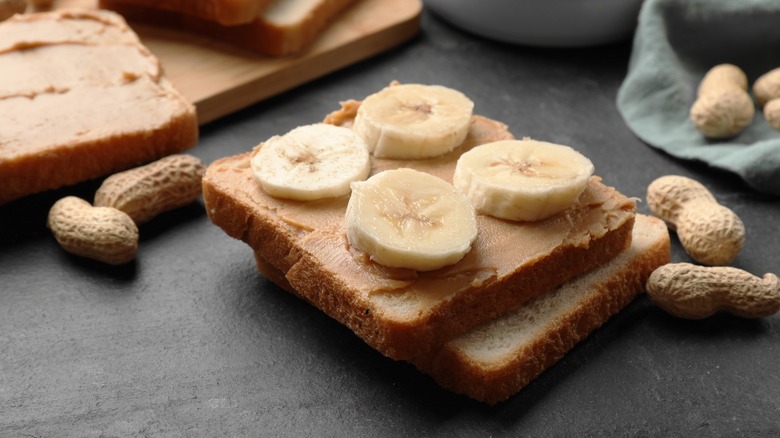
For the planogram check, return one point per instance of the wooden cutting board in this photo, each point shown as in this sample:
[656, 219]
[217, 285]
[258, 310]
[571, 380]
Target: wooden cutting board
[221, 79]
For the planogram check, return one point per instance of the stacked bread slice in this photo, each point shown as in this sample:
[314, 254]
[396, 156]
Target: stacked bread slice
[524, 294]
[81, 97]
[272, 27]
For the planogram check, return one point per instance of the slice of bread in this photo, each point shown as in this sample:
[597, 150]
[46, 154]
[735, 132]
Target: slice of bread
[404, 313]
[224, 12]
[80, 98]
[285, 27]
[497, 359]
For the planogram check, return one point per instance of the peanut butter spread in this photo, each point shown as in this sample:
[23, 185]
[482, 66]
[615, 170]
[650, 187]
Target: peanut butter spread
[71, 77]
[500, 250]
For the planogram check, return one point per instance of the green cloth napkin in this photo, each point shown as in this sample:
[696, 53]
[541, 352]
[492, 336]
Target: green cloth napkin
[676, 42]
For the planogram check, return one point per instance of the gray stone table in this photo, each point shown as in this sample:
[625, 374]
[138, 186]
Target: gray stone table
[191, 341]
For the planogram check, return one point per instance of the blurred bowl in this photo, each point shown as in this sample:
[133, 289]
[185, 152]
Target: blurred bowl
[544, 23]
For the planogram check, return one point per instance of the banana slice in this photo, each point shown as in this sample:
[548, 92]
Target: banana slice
[311, 162]
[522, 180]
[405, 218]
[413, 121]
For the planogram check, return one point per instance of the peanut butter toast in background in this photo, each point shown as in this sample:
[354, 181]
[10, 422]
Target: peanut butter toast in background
[495, 360]
[405, 313]
[284, 27]
[80, 98]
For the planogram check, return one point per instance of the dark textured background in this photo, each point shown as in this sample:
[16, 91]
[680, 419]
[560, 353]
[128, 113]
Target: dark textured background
[191, 341]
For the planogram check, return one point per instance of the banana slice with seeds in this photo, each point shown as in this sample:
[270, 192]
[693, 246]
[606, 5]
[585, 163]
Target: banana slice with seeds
[413, 121]
[311, 162]
[405, 218]
[522, 180]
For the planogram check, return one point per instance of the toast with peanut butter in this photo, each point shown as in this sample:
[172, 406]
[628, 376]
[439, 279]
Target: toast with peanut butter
[80, 98]
[495, 360]
[403, 312]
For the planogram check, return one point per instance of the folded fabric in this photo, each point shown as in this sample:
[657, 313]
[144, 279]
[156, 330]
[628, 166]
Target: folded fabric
[676, 42]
